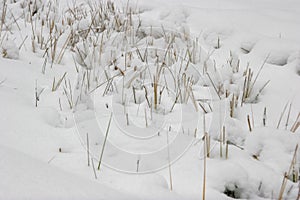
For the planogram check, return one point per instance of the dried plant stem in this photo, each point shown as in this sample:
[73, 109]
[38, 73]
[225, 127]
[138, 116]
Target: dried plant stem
[259, 71]
[249, 123]
[169, 161]
[104, 142]
[221, 146]
[286, 174]
[265, 116]
[146, 120]
[288, 117]
[227, 150]
[204, 169]
[36, 94]
[296, 125]
[282, 113]
[55, 85]
[252, 116]
[127, 119]
[213, 85]
[224, 137]
[137, 165]
[94, 170]
[88, 148]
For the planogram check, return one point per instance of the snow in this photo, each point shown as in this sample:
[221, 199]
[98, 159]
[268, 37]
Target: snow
[110, 68]
[9, 49]
[23, 177]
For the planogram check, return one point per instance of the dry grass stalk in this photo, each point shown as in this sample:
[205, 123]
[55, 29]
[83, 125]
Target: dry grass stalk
[94, 170]
[281, 116]
[249, 123]
[296, 124]
[227, 150]
[286, 174]
[88, 148]
[265, 116]
[169, 160]
[288, 117]
[55, 85]
[204, 170]
[104, 142]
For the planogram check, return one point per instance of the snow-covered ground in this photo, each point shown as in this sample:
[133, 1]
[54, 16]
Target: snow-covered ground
[170, 99]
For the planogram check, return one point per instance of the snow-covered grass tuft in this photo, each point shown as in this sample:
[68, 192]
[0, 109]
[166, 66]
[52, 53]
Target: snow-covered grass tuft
[9, 49]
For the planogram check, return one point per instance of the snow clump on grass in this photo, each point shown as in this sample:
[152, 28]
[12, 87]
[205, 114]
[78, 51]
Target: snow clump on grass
[9, 49]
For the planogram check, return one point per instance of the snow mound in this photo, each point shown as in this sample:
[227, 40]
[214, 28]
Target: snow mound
[273, 147]
[275, 51]
[33, 179]
[9, 49]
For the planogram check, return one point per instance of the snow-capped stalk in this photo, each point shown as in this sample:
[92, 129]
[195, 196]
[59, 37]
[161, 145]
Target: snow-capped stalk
[104, 142]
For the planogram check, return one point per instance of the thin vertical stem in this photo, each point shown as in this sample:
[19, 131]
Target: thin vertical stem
[104, 142]
[88, 148]
[170, 172]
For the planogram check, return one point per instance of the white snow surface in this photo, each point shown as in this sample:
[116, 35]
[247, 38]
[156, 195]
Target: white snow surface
[43, 151]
